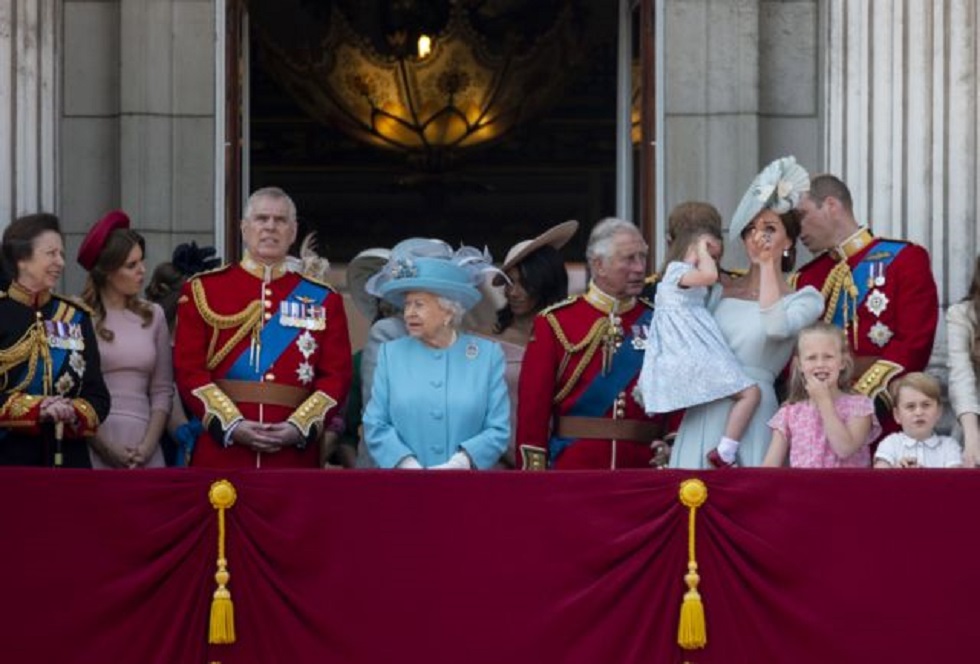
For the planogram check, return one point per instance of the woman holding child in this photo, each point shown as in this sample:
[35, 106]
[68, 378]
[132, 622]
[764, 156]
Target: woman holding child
[759, 315]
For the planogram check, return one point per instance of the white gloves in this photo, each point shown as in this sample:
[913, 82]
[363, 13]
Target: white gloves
[458, 461]
[409, 463]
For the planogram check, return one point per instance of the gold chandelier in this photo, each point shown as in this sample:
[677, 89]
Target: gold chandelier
[441, 75]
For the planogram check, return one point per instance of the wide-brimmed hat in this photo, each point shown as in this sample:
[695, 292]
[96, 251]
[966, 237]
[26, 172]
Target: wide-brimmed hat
[98, 235]
[361, 268]
[557, 236]
[779, 187]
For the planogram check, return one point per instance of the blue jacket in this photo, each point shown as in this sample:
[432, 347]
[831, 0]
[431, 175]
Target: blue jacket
[430, 402]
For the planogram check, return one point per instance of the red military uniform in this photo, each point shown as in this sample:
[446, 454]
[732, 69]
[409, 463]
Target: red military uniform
[576, 408]
[261, 344]
[883, 294]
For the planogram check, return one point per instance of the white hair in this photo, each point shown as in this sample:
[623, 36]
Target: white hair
[601, 238]
[453, 307]
[274, 193]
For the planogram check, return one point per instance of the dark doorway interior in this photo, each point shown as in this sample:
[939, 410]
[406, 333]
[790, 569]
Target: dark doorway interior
[556, 167]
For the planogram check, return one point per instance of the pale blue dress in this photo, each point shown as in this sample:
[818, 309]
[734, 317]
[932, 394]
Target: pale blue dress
[687, 360]
[433, 402]
[763, 340]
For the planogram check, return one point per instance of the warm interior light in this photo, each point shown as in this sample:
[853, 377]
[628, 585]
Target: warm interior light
[425, 46]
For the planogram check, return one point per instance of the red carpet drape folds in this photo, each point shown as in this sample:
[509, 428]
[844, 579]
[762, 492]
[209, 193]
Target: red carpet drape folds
[489, 568]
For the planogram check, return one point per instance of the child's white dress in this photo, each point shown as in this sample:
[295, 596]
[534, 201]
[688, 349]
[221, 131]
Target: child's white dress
[687, 360]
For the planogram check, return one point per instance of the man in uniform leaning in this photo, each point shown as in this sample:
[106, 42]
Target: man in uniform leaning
[881, 292]
[261, 351]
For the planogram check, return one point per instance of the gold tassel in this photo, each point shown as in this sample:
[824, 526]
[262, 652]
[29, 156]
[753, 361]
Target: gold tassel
[222, 628]
[692, 631]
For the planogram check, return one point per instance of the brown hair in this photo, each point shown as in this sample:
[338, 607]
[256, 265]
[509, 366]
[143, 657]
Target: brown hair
[19, 236]
[826, 185]
[687, 237]
[973, 296]
[112, 257]
[792, 225]
[797, 384]
[917, 380]
[691, 215]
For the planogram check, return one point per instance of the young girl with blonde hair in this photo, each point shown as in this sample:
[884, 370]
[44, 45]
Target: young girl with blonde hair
[823, 424]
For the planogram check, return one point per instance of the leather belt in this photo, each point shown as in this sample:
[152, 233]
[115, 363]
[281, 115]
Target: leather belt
[606, 428]
[269, 394]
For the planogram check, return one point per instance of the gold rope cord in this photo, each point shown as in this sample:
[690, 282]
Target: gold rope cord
[840, 282]
[592, 340]
[34, 343]
[247, 321]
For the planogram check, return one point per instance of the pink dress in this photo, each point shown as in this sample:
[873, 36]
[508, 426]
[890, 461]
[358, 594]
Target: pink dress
[138, 371]
[802, 427]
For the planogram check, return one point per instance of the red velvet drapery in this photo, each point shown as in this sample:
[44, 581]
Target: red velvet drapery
[490, 568]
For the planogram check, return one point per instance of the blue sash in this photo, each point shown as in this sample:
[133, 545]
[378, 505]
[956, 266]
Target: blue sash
[275, 336]
[862, 272]
[603, 390]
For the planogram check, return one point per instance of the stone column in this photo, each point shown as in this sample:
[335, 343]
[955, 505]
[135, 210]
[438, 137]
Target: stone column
[902, 124]
[28, 93]
[138, 120]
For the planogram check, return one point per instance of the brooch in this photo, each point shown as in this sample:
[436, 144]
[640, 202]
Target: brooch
[472, 351]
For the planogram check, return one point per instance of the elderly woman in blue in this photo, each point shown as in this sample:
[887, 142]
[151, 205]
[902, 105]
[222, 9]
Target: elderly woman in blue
[439, 399]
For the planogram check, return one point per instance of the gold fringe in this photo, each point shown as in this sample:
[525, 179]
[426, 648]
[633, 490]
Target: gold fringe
[692, 632]
[222, 624]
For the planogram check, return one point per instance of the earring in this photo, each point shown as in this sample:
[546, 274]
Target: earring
[785, 253]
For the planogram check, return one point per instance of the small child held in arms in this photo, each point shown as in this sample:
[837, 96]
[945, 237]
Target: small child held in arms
[917, 409]
[687, 360]
[823, 424]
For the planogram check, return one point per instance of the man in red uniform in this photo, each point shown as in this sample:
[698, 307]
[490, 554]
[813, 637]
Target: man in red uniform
[576, 407]
[261, 354]
[881, 292]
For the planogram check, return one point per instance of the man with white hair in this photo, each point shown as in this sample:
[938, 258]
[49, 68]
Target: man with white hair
[261, 354]
[576, 408]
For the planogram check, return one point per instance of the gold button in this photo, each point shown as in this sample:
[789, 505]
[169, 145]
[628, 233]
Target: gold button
[268, 292]
[268, 315]
[270, 376]
[268, 304]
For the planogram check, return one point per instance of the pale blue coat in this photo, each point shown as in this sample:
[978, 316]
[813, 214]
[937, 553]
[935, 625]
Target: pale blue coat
[430, 402]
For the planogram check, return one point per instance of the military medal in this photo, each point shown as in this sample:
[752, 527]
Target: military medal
[880, 334]
[880, 277]
[640, 337]
[877, 302]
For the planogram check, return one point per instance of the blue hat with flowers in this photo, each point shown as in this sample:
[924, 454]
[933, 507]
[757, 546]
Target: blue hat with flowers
[431, 266]
[779, 187]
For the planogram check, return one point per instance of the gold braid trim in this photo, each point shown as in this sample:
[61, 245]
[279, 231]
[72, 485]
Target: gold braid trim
[28, 348]
[590, 342]
[247, 320]
[874, 381]
[840, 282]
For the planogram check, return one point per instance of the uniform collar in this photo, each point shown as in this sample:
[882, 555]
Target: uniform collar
[860, 239]
[265, 272]
[28, 298]
[606, 303]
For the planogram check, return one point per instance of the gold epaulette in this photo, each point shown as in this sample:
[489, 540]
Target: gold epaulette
[318, 282]
[74, 301]
[737, 272]
[652, 279]
[214, 270]
[793, 279]
[558, 305]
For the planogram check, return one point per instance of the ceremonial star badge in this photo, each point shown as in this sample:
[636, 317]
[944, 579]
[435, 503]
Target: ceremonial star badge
[305, 372]
[877, 302]
[306, 344]
[880, 334]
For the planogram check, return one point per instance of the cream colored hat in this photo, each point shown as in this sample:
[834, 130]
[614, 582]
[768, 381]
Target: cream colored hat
[557, 236]
[779, 187]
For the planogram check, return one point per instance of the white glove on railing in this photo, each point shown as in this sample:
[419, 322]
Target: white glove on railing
[409, 463]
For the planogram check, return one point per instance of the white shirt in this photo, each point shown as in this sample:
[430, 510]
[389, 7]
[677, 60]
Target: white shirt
[933, 452]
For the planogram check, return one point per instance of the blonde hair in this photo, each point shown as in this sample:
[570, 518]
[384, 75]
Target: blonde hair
[919, 381]
[797, 384]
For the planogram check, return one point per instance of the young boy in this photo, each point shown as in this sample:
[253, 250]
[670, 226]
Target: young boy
[917, 409]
